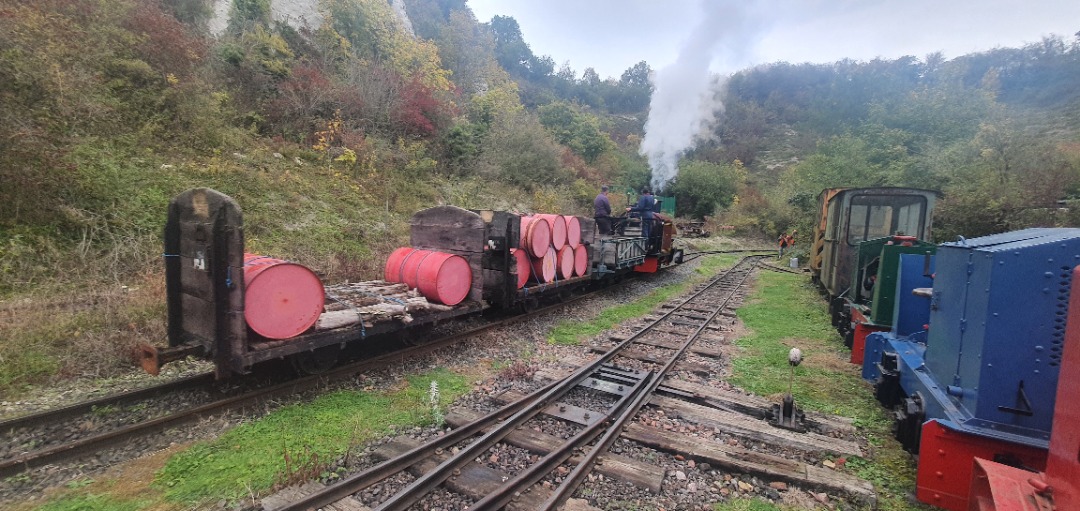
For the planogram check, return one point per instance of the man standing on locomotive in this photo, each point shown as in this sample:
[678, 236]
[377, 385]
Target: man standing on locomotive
[645, 206]
[602, 211]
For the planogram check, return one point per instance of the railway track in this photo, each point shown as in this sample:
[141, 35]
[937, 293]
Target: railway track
[629, 376]
[621, 381]
[78, 430]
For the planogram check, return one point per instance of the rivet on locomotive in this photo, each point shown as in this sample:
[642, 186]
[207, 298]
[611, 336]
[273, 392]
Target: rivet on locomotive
[964, 341]
[239, 310]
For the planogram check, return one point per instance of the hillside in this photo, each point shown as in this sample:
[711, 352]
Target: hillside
[332, 121]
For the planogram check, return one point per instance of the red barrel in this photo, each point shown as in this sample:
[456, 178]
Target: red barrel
[410, 266]
[581, 260]
[444, 278]
[535, 235]
[392, 272]
[281, 299]
[543, 268]
[558, 229]
[566, 262]
[524, 268]
[573, 231]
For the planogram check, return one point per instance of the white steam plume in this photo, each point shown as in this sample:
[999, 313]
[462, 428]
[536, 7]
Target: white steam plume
[685, 97]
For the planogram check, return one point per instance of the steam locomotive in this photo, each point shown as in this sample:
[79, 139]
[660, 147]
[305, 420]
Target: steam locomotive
[209, 287]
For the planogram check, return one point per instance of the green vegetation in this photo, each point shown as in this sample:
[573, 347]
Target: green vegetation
[92, 503]
[294, 442]
[749, 505]
[785, 312]
[252, 457]
[976, 128]
[569, 332]
[330, 137]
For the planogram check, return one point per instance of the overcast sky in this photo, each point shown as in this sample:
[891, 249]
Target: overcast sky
[612, 35]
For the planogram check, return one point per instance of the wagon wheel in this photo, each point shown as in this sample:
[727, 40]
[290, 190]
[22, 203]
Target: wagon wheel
[315, 362]
[528, 305]
[417, 335]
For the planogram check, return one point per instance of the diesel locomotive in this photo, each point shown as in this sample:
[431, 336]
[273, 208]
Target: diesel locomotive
[847, 217]
[963, 341]
[997, 486]
[972, 365]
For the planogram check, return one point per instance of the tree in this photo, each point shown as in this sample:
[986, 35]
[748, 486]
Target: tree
[467, 51]
[374, 34]
[248, 13]
[578, 131]
[637, 76]
[632, 92]
[195, 13]
[511, 50]
[517, 150]
[590, 78]
[702, 187]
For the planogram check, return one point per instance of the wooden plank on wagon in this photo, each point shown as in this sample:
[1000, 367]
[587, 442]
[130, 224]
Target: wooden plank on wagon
[737, 459]
[740, 425]
[447, 228]
[622, 468]
[588, 230]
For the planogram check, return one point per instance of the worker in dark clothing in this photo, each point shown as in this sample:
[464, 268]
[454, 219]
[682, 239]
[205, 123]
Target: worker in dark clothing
[645, 206]
[602, 211]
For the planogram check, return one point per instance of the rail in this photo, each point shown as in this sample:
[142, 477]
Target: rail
[635, 389]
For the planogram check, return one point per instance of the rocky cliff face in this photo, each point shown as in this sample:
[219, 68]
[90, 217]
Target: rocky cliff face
[297, 13]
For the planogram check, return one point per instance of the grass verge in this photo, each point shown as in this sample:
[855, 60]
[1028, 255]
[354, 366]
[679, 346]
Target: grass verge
[785, 311]
[89, 333]
[751, 505]
[252, 457]
[248, 460]
[92, 502]
[569, 332]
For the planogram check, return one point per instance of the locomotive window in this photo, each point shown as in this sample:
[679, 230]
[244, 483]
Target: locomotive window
[876, 216]
[833, 219]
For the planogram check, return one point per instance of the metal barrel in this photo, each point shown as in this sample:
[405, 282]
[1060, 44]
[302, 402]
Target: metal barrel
[543, 268]
[444, 278]
[573, 231]
[524, 267]
[566, 262]
[410, 266]
[281, 299]
[535, 235]
[558, 229]
[392, 271]
[581, 260]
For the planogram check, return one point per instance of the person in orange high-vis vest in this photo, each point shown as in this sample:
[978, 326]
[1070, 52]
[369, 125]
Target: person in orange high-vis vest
[785, 241]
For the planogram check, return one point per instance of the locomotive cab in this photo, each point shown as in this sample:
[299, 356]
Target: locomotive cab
[851, 216]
